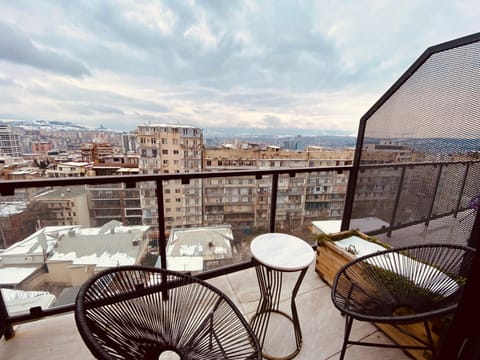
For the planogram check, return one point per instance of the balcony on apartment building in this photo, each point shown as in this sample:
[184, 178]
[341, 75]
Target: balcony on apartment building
[419, 195]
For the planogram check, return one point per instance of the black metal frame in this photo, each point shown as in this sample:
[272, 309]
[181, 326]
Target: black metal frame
[377, 301]
[352, 181]
[9, 187]
[270, 282]
[114, 313]
[462, 341]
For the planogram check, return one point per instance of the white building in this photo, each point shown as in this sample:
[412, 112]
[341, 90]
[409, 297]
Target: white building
[72, 253]
[200, 248]
[70, 169]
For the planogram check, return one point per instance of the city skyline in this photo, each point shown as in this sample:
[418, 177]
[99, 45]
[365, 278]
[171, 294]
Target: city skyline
[286, 66]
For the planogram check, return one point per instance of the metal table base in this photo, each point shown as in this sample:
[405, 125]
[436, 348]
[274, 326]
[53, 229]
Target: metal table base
[270, 283]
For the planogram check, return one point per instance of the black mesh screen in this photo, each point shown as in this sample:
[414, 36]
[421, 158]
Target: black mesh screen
[419, 165]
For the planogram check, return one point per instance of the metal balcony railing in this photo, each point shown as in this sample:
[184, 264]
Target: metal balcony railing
[393, 197]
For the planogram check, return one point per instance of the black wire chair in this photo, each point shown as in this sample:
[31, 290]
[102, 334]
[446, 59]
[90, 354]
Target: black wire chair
[134, 312]
[406, 285]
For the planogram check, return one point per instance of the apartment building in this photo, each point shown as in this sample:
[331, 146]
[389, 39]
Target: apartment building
[244, 202]
[107, 202]
[10, 141]
[164, 149]
[129, 143]
[41, 147]
[66, 206]
[69, 169]
[96, 153]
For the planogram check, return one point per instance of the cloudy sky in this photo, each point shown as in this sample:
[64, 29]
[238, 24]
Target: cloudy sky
[294, 65]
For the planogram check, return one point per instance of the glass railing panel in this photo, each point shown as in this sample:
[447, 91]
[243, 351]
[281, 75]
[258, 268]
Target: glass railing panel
[375, 198]
[205, 223]
[435, 199]
[303, 199]
[60, 236]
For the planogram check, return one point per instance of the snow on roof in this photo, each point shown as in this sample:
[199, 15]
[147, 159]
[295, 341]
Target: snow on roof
[103, 260]
[113, 238]
[170, 126]
[110, 245]
[19, 301]
[31, 244]
[12, 275]
[74, 163]
[208, 242]
[12, 208]
[25, 170]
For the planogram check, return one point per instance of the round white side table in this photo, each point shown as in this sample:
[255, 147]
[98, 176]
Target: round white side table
[274, 254]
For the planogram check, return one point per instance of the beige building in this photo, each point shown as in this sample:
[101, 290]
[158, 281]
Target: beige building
[69, 169]
[66, 206]
[244, 202]
[165, 149]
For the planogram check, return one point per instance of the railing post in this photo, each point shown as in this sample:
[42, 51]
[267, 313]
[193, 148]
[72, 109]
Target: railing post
[6, 327]
[434, 196]
[353, 176]
[397, 201]
[459, 201]
[161, 241]
[273, 204]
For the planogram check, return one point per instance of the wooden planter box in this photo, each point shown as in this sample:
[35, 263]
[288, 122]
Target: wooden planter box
[330, 258]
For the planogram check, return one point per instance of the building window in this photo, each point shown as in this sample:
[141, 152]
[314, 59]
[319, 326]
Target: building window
[164, 141]
[165, 152]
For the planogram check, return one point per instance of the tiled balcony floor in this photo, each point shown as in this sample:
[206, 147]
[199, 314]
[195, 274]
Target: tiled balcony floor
[322, 326]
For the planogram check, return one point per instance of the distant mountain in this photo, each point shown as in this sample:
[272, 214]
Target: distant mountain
[49, 125]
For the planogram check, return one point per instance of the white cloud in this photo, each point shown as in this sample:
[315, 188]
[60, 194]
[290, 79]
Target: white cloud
[291, 64]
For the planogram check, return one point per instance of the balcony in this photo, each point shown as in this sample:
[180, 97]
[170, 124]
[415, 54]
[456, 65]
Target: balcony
[423, 197]
[322, 325]
[56, 337]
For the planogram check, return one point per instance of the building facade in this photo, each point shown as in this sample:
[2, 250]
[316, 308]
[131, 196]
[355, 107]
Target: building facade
[65, 206]
[164, 149]
[10, 141]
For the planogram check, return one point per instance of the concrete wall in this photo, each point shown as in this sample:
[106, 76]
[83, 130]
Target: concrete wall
[59, 272]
